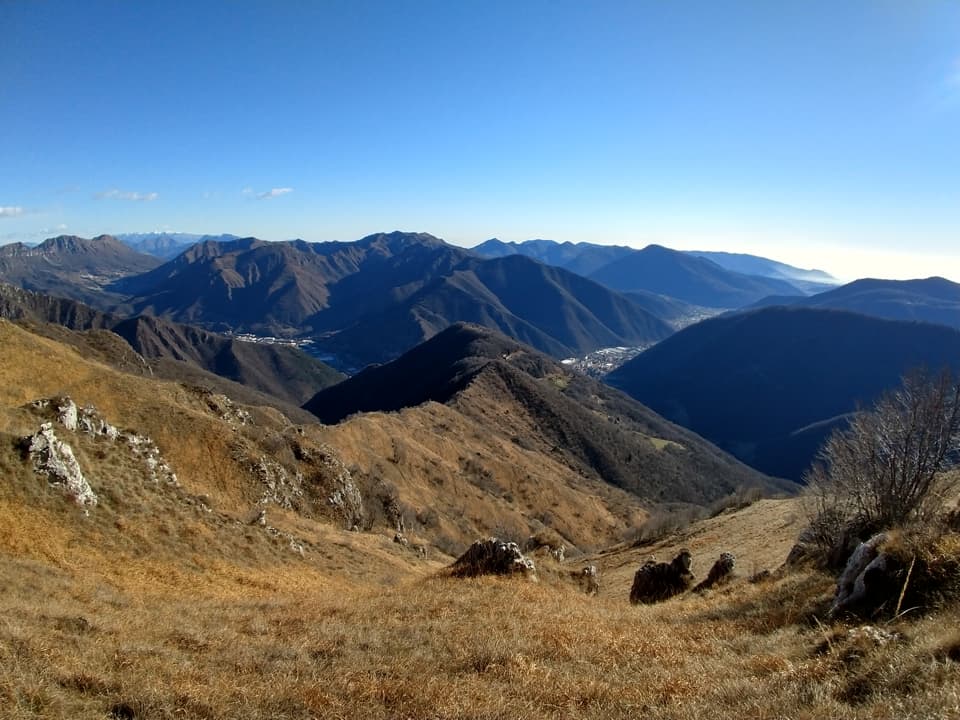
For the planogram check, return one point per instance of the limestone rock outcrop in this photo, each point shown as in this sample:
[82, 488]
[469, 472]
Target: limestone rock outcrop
[655, 582]
[55, 459]
[493, 557]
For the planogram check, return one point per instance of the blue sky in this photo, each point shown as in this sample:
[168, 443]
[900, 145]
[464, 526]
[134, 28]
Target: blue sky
[821, 133]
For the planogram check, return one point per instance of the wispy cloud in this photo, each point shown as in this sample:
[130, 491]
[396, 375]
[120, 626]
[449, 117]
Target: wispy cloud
[11, 211]
[127, 195]
[275, 192]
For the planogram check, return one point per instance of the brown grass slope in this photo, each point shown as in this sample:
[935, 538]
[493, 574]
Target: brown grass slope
[217, 454]
[528, 398]
[151, 606]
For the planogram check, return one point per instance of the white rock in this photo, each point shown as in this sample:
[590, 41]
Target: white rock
[55, 458]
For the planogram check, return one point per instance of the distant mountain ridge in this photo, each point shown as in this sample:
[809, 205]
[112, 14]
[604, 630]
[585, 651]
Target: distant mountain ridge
[701, 279]
[581, 258]
[557, 312]
[72, 266]
[934, 300]
[168, 245]
[765, 267]
[692, 279]
[370, 300]
[769, 385]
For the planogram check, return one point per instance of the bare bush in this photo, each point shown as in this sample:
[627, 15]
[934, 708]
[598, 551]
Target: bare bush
[886, 468]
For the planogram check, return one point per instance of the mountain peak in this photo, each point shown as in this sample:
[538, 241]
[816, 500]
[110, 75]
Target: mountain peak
[398, 240]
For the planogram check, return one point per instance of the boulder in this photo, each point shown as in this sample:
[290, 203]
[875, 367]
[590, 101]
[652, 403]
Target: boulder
[591, 579]
[720, 573]
[55, 459]
[493, 557]
[868, 580]
[655, 582]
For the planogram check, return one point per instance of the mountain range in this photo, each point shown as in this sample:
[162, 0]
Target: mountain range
[933, 300]
[768, 385]
[668, 272]
[167, 245]
[73, 267]
[370, 300]
[809, 280]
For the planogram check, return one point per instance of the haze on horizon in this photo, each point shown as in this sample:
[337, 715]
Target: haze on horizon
[820, 134]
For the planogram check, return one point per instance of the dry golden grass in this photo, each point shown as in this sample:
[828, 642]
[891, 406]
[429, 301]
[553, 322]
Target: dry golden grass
[445, 648]
[152, 607]
[760, 537]
[479, 481]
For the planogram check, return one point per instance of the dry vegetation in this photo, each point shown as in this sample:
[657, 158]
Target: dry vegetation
[152, 607]
[445, 648]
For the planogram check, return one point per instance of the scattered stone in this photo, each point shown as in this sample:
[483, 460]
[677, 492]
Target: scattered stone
[85, 420]
[90, 422]
[345, 497]
[655, 581]
[866, 574]
[260, 518]
[546, 541]
[493, 557]
[123, 711]
[67, 413]
[225, 408]
[146, 448]
[720, 573]
[281, 488]
[592, 579]
[401, 539]
[54, 458]
[394, 513]
[873, 635]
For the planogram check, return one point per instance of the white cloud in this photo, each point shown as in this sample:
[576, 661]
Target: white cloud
[275, 192]
[11, 211]
[126, 195]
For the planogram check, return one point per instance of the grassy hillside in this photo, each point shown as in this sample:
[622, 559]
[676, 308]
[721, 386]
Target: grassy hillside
[179, 352]
[166, 600]
[524, 397]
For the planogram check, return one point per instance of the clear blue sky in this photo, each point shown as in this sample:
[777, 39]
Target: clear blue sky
[821, 133]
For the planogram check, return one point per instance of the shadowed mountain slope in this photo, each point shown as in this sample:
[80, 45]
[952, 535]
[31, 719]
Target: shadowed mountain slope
[689, 278]
[769, 385]
[283, 372]
[581, 258]
[373, 299]
[551, 309]
[72, 267]
[288, 287]
[529, 397]
[934, 300]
